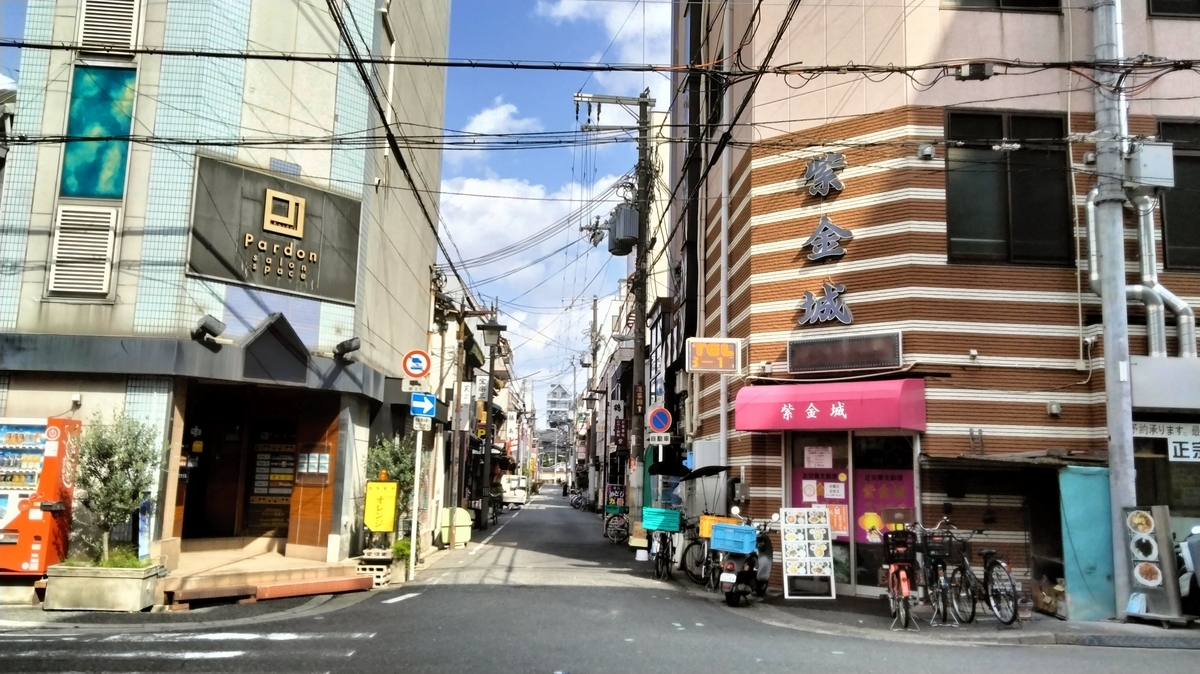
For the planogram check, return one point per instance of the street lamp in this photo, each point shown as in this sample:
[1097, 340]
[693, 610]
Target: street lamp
[491, 337]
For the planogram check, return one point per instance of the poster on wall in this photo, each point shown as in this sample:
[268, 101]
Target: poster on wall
[874, 492]
[807, 548]
[818, 457]
[829, 489]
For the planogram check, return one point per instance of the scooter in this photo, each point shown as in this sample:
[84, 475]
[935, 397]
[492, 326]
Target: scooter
[1187, 556]
[743, 573]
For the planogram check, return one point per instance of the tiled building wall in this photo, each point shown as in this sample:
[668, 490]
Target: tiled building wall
[21, 169]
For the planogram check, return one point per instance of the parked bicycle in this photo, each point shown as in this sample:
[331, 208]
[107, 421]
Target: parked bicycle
[998, 590]
[900, 557]
[701, 563]
[616, 528]
[663, 548]
[936, 546]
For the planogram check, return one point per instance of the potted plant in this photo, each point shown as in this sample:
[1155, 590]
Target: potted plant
[113, 474]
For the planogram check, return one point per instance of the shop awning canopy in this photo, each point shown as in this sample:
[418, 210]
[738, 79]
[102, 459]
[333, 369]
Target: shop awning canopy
[897, 403]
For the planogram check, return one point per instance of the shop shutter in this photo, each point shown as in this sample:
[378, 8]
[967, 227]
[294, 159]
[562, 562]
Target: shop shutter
[108, 25]
[81, 259]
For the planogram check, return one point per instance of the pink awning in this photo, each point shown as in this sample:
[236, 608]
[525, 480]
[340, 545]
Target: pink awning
[898, 403]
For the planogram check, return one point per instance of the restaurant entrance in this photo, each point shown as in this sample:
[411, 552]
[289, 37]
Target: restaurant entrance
[860, 476]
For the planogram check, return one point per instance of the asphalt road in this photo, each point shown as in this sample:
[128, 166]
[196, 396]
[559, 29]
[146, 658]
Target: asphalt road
[546, 594]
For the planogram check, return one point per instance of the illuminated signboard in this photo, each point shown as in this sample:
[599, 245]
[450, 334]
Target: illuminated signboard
[721, 356]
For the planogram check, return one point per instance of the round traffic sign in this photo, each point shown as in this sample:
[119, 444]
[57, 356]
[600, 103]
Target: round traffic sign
[416, 364]
[659, 420]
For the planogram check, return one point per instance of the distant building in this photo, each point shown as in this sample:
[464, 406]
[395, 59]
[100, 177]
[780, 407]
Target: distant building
[558, 406]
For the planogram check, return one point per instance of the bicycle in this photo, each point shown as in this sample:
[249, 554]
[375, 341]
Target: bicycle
[616, 528]
[936, 545]
[998, 590]
[701, 564]
[900, 554]
[664, 551]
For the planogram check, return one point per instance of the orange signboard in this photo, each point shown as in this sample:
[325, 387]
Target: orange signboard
[723, 356]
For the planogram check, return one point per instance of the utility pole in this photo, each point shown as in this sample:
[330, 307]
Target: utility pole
[456, 439]
[1110, 232]
[645, 172]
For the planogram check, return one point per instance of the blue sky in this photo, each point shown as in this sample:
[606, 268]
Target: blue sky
[547, 329]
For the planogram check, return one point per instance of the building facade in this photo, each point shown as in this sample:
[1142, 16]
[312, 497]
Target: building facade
[240, 273]
[906, 258]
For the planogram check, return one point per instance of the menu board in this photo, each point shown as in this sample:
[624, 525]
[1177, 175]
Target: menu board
[270, 495]
[1151, 556]
[807, 545]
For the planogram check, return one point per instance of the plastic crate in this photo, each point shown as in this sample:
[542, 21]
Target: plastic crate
[938, 544]
[660, 519]
[736, 538]
[707, 522]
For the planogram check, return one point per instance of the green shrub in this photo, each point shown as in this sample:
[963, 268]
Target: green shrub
[400, 549]
[124, 557]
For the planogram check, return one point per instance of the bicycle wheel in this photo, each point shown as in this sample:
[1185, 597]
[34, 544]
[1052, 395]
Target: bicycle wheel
[941, 607]
[712, 571]
[904, 608]
[1002, 593]
[962, 595]
[693, 561]
[616, 529]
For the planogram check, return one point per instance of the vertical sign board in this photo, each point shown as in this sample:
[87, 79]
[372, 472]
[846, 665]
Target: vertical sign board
[1151, 554]
[379, 513]
[269, 506]
[807, 548]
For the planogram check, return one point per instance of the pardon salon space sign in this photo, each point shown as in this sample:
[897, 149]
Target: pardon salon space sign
[260, 230]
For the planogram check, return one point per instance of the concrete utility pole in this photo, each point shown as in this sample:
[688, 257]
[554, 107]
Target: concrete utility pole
[1110, 231]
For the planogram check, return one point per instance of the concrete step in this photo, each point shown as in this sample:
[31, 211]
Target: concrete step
[214, 579]
[304, 588]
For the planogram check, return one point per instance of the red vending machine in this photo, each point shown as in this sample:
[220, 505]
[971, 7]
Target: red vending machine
[36, 486]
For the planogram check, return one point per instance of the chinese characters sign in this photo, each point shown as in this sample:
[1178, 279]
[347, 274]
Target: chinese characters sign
[827, 240]
[876, 491]
[379, 514]
[721, 356]
[828, 307]
[820, 174]
[1183, 440]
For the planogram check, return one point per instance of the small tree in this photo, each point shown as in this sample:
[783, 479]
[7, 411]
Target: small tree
[116, 467]
[397, 457]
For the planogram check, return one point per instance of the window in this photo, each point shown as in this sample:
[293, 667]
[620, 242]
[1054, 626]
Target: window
[108, 25]
[101, 106]
[1007, 189]
[82, 255]
[1175, 8]
[1014, 5]
[1181, 229]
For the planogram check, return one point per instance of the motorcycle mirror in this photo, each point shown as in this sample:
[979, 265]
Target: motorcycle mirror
[1196, 530]
[735, 511]
[774, 517]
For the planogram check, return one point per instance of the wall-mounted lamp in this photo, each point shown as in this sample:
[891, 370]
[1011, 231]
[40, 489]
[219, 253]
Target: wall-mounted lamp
[348, 346]
[1054, 409]
[926, 151]
[206, 327]
[973, 354]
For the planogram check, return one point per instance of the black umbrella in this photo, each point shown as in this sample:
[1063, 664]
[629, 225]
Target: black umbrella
[673, 469]
[704, 471]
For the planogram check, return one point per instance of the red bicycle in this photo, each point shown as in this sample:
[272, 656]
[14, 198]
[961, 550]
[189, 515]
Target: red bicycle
[900, 558]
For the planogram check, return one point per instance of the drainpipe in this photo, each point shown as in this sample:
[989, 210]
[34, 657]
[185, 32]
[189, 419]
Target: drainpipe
[1156, 330]
[1185, 318]
[726, 169]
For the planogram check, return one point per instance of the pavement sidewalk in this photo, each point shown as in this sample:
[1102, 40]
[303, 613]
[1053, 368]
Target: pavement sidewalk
[869, 619]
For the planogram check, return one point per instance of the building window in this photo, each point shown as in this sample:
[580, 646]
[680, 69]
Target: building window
[101, 107]
[1175, 8]
[1012, 5]
[1181, 231]
[1007, 186]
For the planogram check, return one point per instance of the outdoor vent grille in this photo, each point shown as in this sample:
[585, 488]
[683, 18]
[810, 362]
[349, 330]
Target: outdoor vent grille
[81, 260]
[108, 25]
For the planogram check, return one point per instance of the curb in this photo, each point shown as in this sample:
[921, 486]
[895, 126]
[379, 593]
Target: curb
[770, 615]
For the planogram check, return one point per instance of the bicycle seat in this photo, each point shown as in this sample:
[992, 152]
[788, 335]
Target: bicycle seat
[987, 552]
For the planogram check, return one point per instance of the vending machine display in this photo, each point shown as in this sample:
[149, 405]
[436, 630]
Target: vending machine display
[36, 464]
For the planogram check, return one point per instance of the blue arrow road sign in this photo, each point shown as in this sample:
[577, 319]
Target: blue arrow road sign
[423, 404]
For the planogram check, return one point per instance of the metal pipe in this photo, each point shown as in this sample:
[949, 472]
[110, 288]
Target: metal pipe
[1185, 317]
[726, 169]
[1156, 330]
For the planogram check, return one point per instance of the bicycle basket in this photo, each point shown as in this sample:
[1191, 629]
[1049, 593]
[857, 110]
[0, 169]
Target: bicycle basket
[938, 544]
[899, 547]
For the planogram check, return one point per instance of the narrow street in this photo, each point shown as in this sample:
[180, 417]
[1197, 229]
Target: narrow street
[544, 593]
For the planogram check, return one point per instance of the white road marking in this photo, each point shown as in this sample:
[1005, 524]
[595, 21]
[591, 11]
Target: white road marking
[236, 636]
[159, 655]
[699, 624]
[838, 653]
[402, 597]
[489, 538]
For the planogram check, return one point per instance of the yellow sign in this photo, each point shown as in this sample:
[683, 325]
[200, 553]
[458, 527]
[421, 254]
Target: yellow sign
[722, 356]
[379, 516]
[283, 214]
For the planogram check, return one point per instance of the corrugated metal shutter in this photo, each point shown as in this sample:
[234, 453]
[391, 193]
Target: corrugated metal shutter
[109, 24]
[81, 261]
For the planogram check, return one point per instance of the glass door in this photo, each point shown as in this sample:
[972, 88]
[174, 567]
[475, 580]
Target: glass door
[883, 480]
[820, 474]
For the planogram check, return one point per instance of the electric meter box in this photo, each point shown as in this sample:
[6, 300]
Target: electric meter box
[1150, 164]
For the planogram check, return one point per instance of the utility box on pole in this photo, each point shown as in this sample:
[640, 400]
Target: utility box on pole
[622, 230]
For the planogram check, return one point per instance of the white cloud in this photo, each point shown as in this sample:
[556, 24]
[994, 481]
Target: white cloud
[640, 32]
[500, 118]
